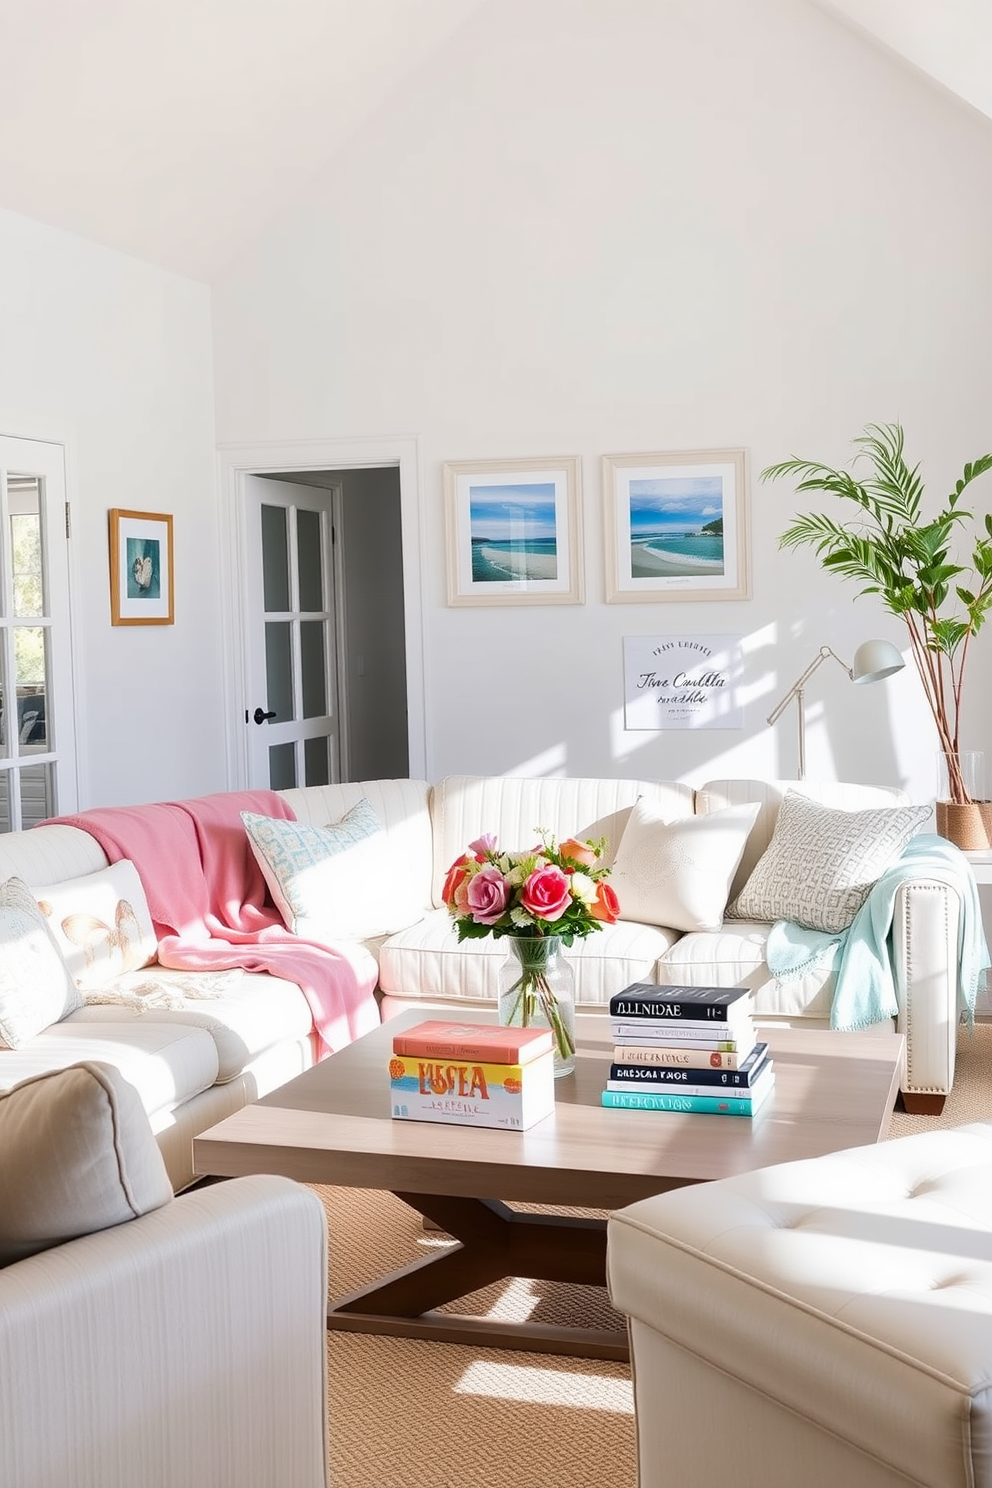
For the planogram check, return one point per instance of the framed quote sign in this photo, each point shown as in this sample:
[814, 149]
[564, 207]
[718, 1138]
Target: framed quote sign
[682, 682]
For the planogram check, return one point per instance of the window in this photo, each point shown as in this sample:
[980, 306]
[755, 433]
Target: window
[37, 727]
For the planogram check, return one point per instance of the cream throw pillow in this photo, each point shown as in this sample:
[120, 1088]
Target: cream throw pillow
[328, 883]
[77, 1154]
[821, 865]
[678, 873]
[36, 990]
[101, 923]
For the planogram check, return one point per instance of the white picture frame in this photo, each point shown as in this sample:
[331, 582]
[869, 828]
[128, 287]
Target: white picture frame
[676, 526]
[513, 531]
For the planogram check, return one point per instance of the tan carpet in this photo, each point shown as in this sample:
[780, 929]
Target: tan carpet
[971, 1098]
[405, 1413]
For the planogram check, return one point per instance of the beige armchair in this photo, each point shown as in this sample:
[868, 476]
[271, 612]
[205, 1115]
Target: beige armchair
[182, 1348]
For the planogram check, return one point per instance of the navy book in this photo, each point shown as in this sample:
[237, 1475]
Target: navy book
[697, 1004]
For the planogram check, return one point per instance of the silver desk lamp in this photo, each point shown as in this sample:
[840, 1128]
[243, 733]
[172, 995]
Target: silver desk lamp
[873, 661]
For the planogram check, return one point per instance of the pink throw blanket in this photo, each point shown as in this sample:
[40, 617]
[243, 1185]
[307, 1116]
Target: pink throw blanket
[210, 907]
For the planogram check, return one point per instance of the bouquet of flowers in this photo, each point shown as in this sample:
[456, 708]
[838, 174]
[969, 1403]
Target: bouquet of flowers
[548, 893]
[550, 889]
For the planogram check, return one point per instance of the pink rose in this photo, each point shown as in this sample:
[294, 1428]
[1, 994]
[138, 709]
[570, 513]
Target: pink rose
[545, 894]
[482, 845]
[487, 896]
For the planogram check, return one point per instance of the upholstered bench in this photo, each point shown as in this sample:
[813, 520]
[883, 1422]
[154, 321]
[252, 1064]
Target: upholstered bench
[823, 1322]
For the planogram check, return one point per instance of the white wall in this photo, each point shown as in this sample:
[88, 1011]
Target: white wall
[112, 357]
[594, 226]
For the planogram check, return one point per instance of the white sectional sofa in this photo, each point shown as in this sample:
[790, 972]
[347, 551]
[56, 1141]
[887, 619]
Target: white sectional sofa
[195, 1062]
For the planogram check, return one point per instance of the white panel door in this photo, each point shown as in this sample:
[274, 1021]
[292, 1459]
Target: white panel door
[291, 709]
[37, 716]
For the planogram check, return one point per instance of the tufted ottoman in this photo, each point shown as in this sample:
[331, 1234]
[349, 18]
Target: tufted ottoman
[822, 1323]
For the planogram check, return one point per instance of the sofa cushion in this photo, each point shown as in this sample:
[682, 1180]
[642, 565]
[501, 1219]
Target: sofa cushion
[244, 1012]
[76, 1155]
[326, 882]
[167, 1063]
[101, 923]
[820, 865]
[35, 986]
[734, 956]
[427, 961]
[679, 873]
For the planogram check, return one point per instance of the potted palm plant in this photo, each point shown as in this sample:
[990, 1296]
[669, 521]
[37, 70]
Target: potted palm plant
[896, 551]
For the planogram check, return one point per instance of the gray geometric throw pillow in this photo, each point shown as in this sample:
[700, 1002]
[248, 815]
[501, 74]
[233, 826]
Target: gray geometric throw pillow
[821, 864]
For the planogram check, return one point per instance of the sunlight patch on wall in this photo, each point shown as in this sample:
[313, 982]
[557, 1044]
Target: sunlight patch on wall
[588, 1392]
[550, 762]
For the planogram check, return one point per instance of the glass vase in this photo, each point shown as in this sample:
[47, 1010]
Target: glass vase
[961, 777]
[537, 990]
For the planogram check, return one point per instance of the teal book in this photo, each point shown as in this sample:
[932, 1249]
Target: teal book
[711, 1105]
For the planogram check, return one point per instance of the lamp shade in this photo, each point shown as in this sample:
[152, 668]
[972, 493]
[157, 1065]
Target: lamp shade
[874, 660]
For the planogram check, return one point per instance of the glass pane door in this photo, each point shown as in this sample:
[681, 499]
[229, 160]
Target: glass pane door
[292, 707]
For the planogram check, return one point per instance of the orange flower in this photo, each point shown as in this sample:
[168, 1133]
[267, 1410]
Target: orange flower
[455, 875]
[396, 1069]
[606, 906]
[511, 1085]
[579, 852]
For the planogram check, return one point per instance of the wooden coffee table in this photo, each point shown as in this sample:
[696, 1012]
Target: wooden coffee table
[332, 1125]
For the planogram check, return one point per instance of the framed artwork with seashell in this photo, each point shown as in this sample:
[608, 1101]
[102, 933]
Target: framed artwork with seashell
[141, 579]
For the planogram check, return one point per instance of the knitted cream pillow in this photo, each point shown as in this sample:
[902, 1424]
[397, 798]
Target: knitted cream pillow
[77, 1154]
[821, 864]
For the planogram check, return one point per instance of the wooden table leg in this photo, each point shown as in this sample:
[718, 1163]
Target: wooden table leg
[495, 1242]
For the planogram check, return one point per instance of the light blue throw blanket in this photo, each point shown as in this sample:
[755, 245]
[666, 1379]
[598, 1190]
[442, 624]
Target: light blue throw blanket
[864, 985]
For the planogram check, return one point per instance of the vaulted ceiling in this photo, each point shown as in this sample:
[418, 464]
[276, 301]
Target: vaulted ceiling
[175, 130]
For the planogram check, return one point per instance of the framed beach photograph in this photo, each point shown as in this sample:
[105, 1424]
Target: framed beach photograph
[141, 585]
[676, 526]
[513, 531]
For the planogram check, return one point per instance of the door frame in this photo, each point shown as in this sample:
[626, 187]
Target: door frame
[238, 460]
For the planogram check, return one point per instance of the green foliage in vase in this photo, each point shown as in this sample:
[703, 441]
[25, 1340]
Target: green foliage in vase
[905, 556]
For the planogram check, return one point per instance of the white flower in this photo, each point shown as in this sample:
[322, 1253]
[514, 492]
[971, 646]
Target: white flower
[583, 888]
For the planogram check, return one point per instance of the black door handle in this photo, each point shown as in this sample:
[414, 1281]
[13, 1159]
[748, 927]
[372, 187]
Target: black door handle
[260, 717]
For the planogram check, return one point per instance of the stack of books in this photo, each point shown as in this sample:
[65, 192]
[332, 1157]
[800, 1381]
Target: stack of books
[472, 1074]
[687, 1049]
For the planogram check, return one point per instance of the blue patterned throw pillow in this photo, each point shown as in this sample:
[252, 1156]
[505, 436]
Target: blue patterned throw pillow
[326, 882]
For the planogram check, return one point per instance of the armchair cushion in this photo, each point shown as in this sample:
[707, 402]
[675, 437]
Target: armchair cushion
[821, 865]
[77, 1154]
